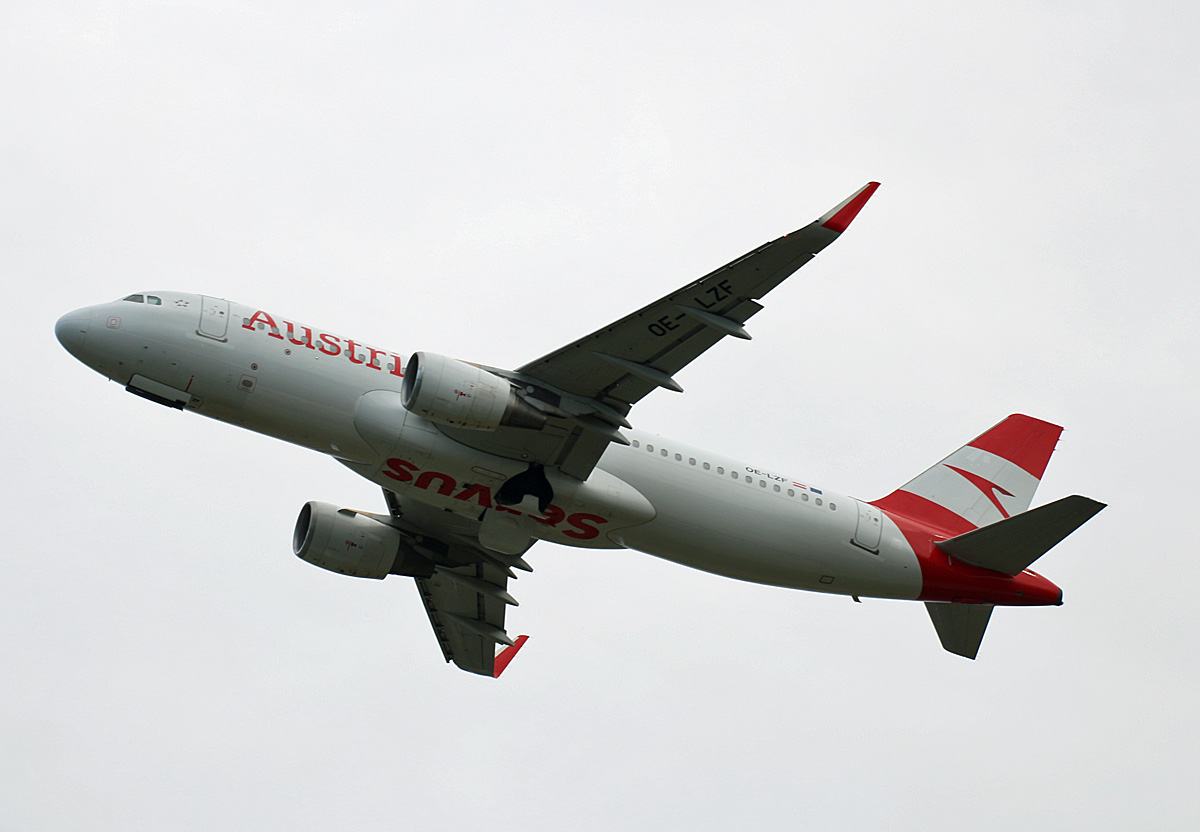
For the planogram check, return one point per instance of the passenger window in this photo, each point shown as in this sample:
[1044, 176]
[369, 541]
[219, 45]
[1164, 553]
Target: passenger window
[818, 501]
[707, 466]
[749, 478]
[663, 452]
[134, 299]
[637, 444]
[762, 483]
[720, 470]
[692, 461]
[804, 496]
[791, 492]
[679, 457]
[833, 506]
[777, 489]
[650, 448]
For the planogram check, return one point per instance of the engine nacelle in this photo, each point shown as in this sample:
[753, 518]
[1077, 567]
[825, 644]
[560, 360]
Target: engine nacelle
[461, 395]
[344, 541]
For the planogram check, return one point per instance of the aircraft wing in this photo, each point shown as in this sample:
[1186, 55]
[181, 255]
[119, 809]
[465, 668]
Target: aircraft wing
[621, 363]
[467, 596]
[587, 388]
[466, 607]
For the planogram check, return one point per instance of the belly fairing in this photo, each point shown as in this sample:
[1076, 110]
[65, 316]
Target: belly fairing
[417, 460]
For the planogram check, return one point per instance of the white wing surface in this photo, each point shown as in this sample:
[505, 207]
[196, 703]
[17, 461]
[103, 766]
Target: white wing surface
[467, 596]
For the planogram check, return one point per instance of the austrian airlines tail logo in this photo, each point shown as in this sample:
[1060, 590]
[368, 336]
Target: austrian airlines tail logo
[988, 488]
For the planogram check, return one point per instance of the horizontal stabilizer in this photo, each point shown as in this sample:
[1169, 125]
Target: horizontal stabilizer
[960, 626]
[1010, 545]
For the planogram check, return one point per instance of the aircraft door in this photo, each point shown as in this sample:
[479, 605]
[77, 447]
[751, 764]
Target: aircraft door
[870, 527]
[214, 318]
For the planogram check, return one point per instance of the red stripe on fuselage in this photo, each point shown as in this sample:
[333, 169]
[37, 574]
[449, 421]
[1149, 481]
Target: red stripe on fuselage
[944, 578]
[927, 513]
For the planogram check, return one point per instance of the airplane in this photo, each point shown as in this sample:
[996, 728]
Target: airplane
[478, 463]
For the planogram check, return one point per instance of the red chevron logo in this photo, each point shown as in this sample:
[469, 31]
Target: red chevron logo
[988, 487]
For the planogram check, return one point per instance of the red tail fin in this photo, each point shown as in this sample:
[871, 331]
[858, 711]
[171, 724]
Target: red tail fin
[992, 477]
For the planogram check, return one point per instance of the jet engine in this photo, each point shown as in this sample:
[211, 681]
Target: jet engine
[353, 543]
[462, 395]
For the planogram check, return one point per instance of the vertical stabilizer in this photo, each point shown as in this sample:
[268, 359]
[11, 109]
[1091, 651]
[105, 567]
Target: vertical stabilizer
[991, 478]
[960, 626]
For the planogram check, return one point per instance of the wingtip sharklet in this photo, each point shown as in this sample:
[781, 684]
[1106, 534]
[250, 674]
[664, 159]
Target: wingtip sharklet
[839, 219]
[506, 656]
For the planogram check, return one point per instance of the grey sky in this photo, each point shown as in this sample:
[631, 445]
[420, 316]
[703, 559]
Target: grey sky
[491, 185]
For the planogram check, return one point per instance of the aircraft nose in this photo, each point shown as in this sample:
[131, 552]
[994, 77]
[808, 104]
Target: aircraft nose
[72, 329]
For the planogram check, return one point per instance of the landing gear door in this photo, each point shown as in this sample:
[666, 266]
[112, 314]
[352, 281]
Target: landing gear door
[870, 527]
[214, 319]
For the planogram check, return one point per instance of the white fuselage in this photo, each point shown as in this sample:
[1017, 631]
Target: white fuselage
[341, 397]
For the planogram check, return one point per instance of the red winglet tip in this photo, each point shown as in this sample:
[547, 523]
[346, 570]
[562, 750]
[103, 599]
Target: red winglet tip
[839, 218]
[506, 656]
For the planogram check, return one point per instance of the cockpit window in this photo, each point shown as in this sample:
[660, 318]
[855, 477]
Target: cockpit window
[153, 300]
[134, 299]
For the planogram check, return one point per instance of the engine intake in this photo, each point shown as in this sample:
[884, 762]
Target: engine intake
[351, 543]
[461, 395]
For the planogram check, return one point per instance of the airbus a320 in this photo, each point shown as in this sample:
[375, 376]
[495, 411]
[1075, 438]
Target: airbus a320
[477, 463]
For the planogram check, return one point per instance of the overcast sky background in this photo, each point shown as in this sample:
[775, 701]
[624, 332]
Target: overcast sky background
[491, 185]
